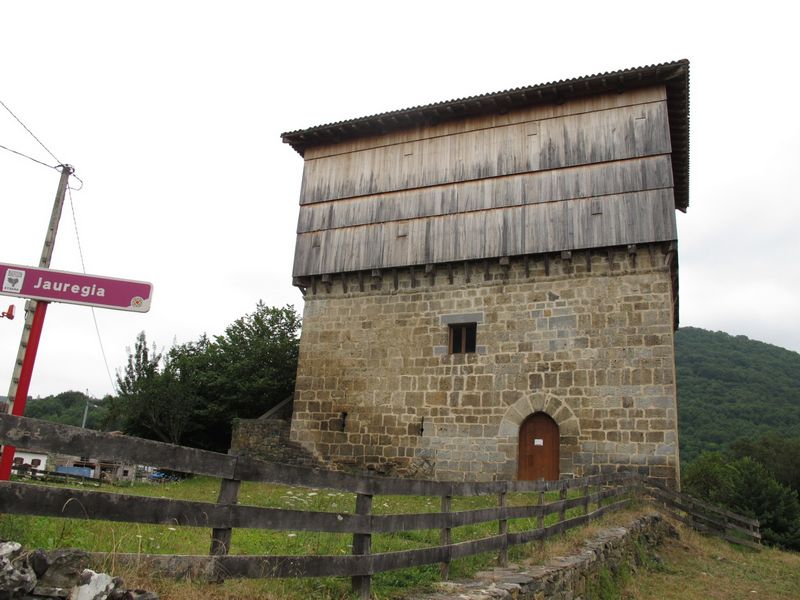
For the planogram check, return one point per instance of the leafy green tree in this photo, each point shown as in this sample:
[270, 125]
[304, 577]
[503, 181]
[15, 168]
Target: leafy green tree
[712, 477]
[153, 401]
[244, 372]
[780, 455]
[745, 486]
[192, 393]
[776, 506]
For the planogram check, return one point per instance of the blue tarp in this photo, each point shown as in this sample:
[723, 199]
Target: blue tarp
[79, 471]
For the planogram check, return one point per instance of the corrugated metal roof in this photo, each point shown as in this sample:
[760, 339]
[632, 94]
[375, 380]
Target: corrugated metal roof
[674, 75]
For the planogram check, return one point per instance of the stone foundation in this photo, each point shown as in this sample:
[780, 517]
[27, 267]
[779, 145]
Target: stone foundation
[587, 339]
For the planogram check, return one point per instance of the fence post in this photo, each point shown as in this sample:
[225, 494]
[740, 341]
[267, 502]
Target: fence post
[540, 519]
[445, 537]
[503, 530]
[587, 491]
[562, 495]
[221, 537]
[362, 543]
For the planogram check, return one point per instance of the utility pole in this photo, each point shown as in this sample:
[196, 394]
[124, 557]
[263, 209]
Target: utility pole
[85, 411]
[32, 330]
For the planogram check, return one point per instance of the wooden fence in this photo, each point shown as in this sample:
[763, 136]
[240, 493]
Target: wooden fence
[603, 494]
[706, 517]
[591, 498]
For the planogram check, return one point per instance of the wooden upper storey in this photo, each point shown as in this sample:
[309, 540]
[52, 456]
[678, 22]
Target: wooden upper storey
[588, 172]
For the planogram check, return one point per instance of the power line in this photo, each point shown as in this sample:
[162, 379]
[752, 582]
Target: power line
[28, 157]
[30, 132]
[83, 266]
[74, 222]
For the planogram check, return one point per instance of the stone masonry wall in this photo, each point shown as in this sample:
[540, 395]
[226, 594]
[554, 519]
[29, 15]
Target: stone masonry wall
[268, 439]
[591, 347]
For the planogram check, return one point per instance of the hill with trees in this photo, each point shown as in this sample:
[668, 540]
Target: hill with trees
[69, 408]
[732, 387]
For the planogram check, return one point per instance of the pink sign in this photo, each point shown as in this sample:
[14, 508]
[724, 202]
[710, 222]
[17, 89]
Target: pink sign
[75, 288]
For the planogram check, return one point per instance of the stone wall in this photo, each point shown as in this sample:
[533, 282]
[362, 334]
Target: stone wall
[268, 439]
[590, 343]
[576, 577]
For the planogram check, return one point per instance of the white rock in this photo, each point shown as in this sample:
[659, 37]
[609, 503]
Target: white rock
[97, 586]
[7, 548]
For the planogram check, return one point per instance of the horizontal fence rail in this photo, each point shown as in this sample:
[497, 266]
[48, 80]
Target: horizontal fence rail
[44, 436]
[706, 517]
[605, 493]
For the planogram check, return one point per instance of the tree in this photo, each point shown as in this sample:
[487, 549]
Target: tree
[745, 486]
[712, 477]
[192, 393]
[776, 506]
[152, 399]
[780, 455]
[245, 372]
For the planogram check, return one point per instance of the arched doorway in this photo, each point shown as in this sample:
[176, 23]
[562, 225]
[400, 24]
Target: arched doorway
[538, 448]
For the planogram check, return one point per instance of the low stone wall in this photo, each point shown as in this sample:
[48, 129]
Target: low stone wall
[568, 577]
[268, 439]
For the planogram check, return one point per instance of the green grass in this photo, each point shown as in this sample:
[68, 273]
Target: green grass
[698, 567]
[120, 537]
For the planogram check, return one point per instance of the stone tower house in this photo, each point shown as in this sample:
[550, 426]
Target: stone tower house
[491, 283]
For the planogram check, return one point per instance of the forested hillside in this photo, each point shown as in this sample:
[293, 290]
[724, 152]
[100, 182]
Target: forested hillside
[732, 387]
[68, 408]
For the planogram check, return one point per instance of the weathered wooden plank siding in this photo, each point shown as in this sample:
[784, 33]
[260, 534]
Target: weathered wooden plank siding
[528, 188]
[589, 173]
[521, 115]
[585, 138]
[630, 218]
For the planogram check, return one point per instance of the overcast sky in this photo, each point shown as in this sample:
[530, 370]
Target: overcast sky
[171, 113]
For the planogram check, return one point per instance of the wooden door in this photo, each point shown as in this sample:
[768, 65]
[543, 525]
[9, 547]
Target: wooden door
[538, 448]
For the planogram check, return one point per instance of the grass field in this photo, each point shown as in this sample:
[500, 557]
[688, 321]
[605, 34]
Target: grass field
[693, 567]
[697, 567]
[120, 537]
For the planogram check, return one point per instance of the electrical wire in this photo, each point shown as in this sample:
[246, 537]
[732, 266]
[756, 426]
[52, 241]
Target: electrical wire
[83, 266]
[30, 132]
[74, 222]
[29, 157]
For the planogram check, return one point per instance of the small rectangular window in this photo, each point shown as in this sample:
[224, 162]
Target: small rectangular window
[462, 337]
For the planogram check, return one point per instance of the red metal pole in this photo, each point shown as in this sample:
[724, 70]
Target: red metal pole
[24, 385]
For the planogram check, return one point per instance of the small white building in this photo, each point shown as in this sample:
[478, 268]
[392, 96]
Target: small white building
[33, 460]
